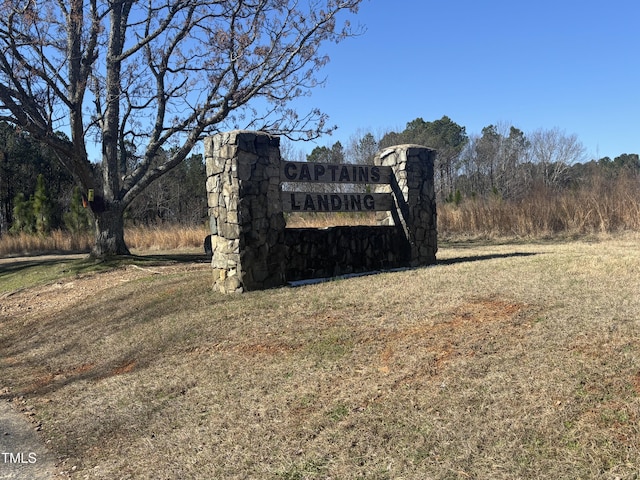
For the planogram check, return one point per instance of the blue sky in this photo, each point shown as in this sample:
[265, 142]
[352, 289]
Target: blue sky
[569, 64]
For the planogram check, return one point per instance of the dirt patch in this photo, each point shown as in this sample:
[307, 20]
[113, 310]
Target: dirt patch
[125, 368]
[464, 333]
[62, 293]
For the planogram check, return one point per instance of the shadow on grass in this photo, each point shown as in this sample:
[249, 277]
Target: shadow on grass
[20, 264]
[446, 261]
[478, 258]
[122, 313]
[124, 330]
[78, 263]
[488, 241]
[176, 258]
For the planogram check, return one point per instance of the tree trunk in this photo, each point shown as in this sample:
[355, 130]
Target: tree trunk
[109, 232]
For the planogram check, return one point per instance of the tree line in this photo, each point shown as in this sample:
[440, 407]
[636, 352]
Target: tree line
[37, 194]
[499, 162]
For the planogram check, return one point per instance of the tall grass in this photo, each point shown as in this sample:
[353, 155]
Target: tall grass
[329, 219]
[602, 206]
[169, 237]
[56, 241]
[137, 238]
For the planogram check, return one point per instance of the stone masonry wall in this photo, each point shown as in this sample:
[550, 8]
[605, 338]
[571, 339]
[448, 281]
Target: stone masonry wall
[253, 250]
[335, 251]
[245, 210]
[415, 198]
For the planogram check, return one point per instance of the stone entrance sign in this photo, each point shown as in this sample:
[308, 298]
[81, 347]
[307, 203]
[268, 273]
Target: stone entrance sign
[336, 202]
[313, 173]
[253, 249]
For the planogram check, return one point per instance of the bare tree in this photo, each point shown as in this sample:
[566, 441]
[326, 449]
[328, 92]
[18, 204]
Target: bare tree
[145, 78]
[362, 147]
[488, 148]
[514, 178]
[554, 152]
[495, 162]
[500, 154]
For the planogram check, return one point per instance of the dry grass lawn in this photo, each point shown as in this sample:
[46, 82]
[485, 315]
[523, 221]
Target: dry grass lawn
[505, 361]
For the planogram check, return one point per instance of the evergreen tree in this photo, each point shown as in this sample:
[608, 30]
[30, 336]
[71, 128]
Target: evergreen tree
[22, 159]
[445, 136]
[320, 155]
[23, 218]
[42, 208]
[77, 219]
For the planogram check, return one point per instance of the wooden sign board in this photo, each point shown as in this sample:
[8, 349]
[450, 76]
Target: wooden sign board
[311, 172]
[336, 202]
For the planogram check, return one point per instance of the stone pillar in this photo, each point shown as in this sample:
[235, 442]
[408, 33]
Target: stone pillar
[245, 210]
[415, 198]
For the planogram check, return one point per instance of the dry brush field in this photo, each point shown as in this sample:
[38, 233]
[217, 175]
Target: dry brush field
[504, 361]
